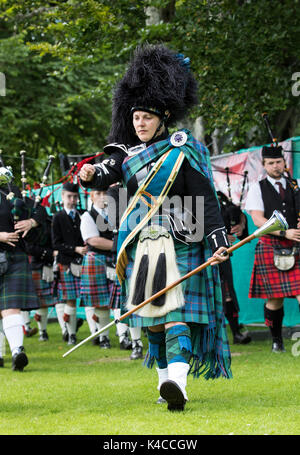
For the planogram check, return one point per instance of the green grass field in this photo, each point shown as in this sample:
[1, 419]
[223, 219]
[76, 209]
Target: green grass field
[102, 392]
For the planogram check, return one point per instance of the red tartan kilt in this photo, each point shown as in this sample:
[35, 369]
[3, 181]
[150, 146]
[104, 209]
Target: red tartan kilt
[266, 280]
[96, 290]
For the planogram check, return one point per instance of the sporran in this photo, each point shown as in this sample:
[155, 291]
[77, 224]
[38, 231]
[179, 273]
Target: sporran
[76, 269]
[284, 258]
[154, 269]
[47, 273]
[111, 273]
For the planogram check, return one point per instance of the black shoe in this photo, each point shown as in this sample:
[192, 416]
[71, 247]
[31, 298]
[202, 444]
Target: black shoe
[44, 336]
[241, 338]
[105, 343]
[72, 339]
[172, 393]
[137, 352]
[277, 346]
[29, 332]
[96, 341]
[1, 362]
[79, 323]
[125, 344]
[19, 360]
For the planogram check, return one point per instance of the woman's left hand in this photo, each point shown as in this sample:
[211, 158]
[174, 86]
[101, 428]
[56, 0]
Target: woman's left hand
[218, 257]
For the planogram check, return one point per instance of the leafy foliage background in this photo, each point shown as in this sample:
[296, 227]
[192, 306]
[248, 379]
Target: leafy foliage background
[61, 60]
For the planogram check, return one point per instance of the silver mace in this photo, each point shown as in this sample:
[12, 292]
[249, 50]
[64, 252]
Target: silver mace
[276, 222]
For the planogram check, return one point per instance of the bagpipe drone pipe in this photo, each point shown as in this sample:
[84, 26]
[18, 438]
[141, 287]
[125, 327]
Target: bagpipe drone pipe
[231, 212]
[23, 207]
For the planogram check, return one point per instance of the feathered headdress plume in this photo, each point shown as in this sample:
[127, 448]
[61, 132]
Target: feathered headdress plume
[157, 80]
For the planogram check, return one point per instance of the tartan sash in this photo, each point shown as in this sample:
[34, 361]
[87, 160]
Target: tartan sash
[146, 201]
[194, 151]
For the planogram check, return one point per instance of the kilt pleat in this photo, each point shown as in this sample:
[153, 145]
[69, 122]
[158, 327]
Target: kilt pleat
[94, 289]
[43, 289]
[69, 285]
[266, 280]
[17, 290]
[115, 294]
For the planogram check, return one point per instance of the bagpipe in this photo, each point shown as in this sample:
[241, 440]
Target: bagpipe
[292, 182]
[6, 177]
[38, 197]
[23, 207]
[41, 235]
[70, 167]
[231, 212]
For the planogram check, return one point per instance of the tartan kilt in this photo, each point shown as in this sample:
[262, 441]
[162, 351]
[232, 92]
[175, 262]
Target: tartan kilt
[266, 280]
[43, 289]
[115, 294]
[94, 288]
[17, 289]
[69, 285]
[203, 311]
[197, 297]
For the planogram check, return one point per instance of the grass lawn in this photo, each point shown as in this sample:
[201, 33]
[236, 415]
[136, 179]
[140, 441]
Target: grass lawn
[102, 392]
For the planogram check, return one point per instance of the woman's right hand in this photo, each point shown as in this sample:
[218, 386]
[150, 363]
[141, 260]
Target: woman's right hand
[9, 237]
[87, 172]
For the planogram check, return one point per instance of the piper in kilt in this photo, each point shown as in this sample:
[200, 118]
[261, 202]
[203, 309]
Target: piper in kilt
[95, 289]
[237, 227]
[156, 242]
[17, 291]
[270, 281]
[41, 255]
[99, 290]
[67, 240]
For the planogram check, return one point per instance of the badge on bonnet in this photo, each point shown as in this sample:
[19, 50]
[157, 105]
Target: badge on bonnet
[178, 139]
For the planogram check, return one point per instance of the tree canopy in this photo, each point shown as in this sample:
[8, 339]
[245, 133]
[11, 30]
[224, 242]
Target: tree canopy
[61, 60]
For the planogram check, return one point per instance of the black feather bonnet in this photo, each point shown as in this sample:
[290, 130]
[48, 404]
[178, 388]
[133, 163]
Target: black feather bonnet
[157, 80]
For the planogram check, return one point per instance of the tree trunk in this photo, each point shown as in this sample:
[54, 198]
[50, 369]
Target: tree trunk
[153, 16]
[157, 15]
[285, 124]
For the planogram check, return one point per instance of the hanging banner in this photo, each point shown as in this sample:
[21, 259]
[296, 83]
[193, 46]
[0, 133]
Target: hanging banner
[243, 167]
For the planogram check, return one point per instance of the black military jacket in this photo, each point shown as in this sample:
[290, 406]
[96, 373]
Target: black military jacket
[66, 236]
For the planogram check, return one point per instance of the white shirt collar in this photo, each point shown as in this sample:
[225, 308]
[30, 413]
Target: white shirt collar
[99, 210]
[282, 180]
[102, 212]
[69, 210]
